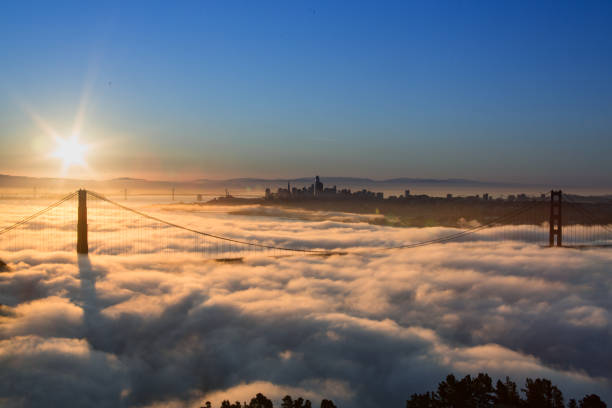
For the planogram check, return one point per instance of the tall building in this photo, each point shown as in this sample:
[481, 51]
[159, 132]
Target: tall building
[318, 187]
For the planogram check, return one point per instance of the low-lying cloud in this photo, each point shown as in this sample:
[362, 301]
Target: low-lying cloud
[372, 326]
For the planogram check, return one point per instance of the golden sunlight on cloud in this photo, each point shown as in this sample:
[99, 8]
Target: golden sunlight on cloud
[342, 326]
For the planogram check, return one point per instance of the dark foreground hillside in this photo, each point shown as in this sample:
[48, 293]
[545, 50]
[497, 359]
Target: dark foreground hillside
[468, 392]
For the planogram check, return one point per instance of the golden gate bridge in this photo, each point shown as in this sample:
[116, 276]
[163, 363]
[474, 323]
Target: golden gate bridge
[92, 223]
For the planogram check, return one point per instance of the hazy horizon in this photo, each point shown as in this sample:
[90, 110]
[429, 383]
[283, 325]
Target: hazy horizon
[253, 187]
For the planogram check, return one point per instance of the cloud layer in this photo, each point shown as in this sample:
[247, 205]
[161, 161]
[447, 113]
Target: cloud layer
[370, 326]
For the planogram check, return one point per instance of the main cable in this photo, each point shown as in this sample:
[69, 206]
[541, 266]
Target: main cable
[318, 251]
[171, 224]
[39, 213]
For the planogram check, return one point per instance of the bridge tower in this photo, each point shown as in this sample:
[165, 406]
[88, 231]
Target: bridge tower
[556, 222]
[82, 246]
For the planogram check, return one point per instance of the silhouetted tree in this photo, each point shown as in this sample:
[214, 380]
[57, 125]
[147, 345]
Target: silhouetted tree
[467, 392]
[260, 401]
[452, 393]
[427, 400]
[481, 389]
[287, 402]
[478, 392]
[327, 404]
[506, 394]
[540, 393]
[592, 401]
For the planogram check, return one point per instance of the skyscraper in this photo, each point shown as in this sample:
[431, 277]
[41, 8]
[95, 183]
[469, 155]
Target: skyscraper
[318, 187]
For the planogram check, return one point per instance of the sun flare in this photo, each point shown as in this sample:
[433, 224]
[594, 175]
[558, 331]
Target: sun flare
[71, 152]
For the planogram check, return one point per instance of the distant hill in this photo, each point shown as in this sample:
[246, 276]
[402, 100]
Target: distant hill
[356, 181]
[254, 186]
[24, 181]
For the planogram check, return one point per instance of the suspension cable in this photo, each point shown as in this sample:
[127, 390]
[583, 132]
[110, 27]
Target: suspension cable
[254, 244]
[171, 224]
[39, 213]
[468, 231]
[580, 207]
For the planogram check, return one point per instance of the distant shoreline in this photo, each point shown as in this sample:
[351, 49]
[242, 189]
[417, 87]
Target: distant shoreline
[424, 211]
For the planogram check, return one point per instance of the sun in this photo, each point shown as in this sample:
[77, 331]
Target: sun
[70, 151]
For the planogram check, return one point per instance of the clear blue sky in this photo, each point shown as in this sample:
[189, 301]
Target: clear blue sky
[490, 90]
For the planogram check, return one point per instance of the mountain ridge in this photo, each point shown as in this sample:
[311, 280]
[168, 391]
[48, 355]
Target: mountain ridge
[239, 180]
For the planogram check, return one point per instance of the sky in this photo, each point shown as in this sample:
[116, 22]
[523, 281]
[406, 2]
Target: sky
[503, 91]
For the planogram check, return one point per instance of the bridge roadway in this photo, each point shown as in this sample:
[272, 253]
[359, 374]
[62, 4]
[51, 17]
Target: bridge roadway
[569, 213]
